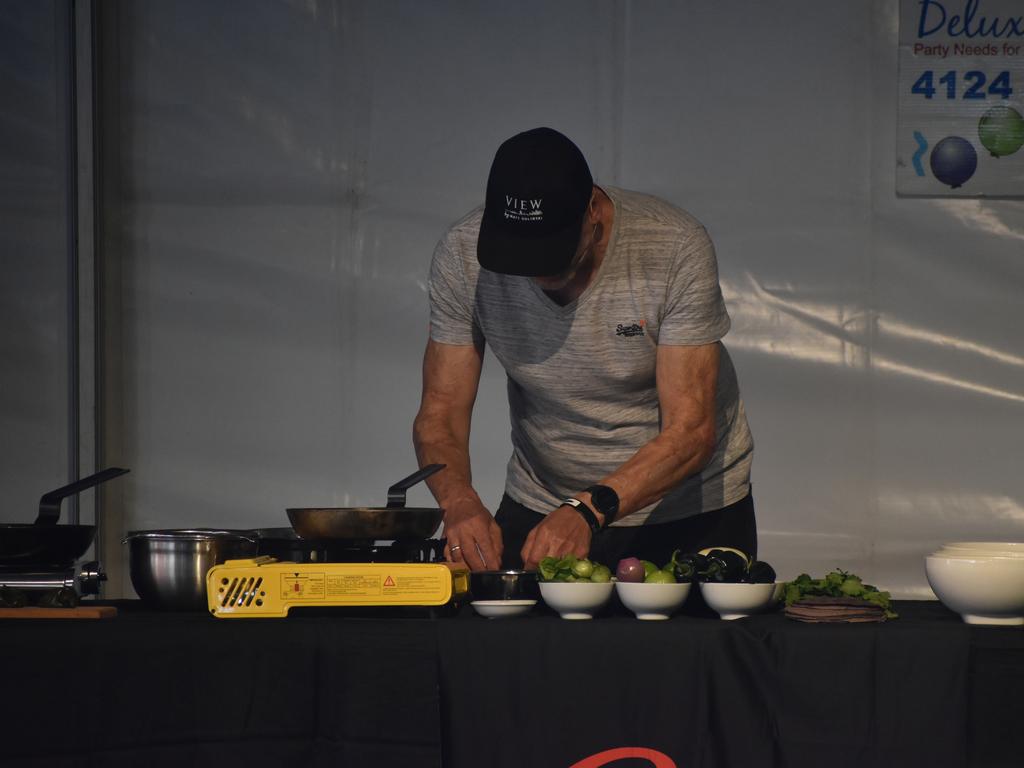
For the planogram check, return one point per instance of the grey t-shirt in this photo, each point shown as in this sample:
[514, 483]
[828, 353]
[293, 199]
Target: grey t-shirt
[581, 381]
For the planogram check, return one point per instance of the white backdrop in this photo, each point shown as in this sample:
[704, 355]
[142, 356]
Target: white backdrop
[289, 167]
[34, 400]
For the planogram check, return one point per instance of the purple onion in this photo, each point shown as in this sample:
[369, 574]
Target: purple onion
[630, 569]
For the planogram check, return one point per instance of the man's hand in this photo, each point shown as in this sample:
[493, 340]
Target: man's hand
[473, 536]
[562, 532]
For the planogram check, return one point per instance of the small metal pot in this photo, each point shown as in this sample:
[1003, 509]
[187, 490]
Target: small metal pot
[168, 568]
[504, 585]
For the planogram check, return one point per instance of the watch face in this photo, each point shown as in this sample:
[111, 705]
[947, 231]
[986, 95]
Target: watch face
[605, 499]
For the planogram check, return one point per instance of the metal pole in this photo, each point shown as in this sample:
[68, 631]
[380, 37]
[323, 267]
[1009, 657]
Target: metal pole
[65, 25]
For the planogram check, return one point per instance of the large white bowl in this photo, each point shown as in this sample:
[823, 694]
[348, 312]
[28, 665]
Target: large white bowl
[987, 590]
[1015, 546]
[652, 601]
[975, 554]
[734, 601]
[576, 599]
[981, 549]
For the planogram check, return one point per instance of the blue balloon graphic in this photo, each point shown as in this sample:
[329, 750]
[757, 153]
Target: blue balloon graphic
[953, 161]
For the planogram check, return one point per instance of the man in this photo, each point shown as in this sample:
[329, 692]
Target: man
[628, 433]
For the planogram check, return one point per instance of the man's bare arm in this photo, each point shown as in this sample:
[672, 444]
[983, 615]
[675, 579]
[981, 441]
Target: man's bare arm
[687, 381]
[451, 376]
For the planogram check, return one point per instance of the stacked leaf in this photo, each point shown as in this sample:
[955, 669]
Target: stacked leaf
[835, 610]
[838, 597]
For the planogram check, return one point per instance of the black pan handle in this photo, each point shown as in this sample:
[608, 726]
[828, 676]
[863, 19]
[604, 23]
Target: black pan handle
[396, 493]
[49, 504]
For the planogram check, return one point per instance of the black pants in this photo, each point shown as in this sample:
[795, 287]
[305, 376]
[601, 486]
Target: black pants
[731, 526]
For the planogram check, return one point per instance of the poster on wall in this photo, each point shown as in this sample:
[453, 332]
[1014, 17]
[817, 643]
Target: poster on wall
[961, 98]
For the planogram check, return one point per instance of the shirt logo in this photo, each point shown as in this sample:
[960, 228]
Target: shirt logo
[519, 209]
[636, 329]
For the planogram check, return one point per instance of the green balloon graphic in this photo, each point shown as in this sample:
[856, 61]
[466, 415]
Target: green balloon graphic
[1001, 131]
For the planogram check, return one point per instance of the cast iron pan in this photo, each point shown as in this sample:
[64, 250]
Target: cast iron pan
[44, 542]
[395, 521]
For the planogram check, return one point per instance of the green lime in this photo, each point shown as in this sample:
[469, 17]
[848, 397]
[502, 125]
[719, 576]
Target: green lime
[583, 568]
[661, 577]
[602, 573]
[649, 568]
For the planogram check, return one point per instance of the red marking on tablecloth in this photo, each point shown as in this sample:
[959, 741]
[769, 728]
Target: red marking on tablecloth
[657, 759]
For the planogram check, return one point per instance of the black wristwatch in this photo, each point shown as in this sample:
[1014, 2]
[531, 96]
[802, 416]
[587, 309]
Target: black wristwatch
[605, 501]
[585, 512]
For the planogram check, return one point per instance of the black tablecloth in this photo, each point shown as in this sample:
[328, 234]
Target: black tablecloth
[146, 690]
[377, 689]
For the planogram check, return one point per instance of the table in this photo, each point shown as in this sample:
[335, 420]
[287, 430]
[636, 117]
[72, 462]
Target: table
[371, 688]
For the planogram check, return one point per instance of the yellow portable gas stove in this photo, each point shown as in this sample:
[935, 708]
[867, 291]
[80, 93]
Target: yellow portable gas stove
[332, 559]
[266, 587]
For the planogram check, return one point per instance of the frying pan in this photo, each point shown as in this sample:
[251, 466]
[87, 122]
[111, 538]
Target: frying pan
[44, 542]
[395, 521]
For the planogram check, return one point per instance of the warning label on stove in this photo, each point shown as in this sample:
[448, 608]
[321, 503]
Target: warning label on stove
[302, 586]
[353, 585]
[367, 584]
[418, 585]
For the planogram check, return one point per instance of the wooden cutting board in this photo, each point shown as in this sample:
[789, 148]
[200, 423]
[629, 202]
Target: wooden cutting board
[81, 612]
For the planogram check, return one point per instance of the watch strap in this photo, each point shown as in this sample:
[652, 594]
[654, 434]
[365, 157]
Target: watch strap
[585, 512]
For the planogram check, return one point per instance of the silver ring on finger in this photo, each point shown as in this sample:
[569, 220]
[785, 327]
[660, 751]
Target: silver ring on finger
[454, 549]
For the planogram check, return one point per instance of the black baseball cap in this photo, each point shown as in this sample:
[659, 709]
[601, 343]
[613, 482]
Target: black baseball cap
[537, 193]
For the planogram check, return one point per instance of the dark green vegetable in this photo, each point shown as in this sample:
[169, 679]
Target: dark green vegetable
[684, 572]
[761, 573]
[686, 566]
[724, 566]
[719, 564]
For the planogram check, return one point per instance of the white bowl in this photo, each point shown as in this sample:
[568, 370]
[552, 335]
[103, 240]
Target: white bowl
[1014, 546]
[981, 549]
[984, 590]
[975, 554]
[734, 601]
[576, 599]
[652, 601]
[778, 592]
[497, 609]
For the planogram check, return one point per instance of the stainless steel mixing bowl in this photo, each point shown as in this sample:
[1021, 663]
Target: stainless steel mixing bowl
[504, 585]
[168, 568]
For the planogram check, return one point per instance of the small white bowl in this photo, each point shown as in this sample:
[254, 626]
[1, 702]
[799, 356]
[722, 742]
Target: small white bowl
[498, 609]
[652, 601]
[576, 599]
[734, 601]
[986, 590]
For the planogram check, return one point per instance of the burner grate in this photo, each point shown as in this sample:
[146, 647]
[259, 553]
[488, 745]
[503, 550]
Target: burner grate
[351, 551]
